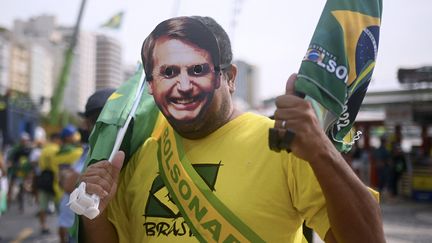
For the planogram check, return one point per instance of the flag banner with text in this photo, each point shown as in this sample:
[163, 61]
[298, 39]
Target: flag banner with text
[337, 68]
[208, 217]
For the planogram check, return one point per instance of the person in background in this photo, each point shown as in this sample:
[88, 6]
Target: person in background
[45, 178]
[34, 162]
[398, 167]
[19, 168]
[383, 160]
[69, 177]
[3, 185]
[63, 160]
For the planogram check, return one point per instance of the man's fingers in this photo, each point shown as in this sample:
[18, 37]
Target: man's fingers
[117, 163]
[289, 88]
[96, 189]
[283, 134]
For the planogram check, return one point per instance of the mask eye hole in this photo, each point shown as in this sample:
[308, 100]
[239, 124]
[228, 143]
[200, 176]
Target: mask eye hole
[170, 72]
[198, 69]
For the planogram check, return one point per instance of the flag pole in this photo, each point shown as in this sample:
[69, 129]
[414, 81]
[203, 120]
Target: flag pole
[57, 98]
[80, 201]
[122, 131]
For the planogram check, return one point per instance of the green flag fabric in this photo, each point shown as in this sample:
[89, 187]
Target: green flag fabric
[337, 68]
[114, 116]
[114, 22]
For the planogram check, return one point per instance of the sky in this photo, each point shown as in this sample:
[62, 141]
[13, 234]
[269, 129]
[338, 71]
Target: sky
[272, 35]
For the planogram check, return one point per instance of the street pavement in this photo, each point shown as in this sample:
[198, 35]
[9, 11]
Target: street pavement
[17, 227]
[405, 221]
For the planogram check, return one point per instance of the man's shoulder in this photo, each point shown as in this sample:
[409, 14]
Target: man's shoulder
[256, 119]
[256, 124]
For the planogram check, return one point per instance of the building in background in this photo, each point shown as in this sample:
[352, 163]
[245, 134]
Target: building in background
[81, 82]
[36, 37]
[19, 66]
[5, 43]
[108, 62]
[246, 83]
[32, 56]
[18, 114]
[41, 77]
[36, 28]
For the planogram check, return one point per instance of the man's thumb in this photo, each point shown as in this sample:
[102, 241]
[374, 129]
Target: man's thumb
[290, 84]
[118, 161]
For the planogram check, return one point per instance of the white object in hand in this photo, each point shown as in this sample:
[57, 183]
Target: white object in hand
[84, 204]
[88, 205]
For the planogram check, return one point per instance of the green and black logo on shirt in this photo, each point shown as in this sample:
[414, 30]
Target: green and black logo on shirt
[160, 205]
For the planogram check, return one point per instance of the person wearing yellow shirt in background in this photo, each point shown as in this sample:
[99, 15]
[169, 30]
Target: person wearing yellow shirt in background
[52, 163]
[45, 178]
[69, 152]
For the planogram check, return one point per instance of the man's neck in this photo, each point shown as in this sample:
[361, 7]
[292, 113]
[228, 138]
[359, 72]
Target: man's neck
[208, 129]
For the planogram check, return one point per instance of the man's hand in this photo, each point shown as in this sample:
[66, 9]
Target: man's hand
[345, 194]
[296, 114]
[68, 180]
[101, 179]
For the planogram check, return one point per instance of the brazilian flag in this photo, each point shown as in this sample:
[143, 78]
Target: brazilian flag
[114, 116]
[114, 22]
[337, 68]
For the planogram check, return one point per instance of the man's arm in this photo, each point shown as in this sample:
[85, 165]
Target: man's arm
[353, 212]
[101, 179]
[68, 180]
[98, 229]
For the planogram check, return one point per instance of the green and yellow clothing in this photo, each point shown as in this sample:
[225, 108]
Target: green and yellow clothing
[273, 193]
[63, 159]
[46, 163]
[20, 164]
[47, 153]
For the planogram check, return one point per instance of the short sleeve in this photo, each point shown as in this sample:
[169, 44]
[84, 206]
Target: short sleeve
[307, 196]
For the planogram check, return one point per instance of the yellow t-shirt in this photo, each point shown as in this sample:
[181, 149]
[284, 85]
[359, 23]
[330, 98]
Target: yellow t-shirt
[46, 156]
[62, 160]
[272, 193]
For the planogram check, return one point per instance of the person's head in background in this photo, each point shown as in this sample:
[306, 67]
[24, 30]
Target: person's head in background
[25, 139]
[69, 135]
[93, 108]
[187, 61]
[55, 138]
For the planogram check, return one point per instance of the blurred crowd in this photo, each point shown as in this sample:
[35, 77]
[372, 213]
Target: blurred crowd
[44, 171]
[32, 171]
[387, 167]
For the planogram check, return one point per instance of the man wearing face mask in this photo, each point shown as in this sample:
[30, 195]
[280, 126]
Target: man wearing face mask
[69, 177]
[206, 173]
